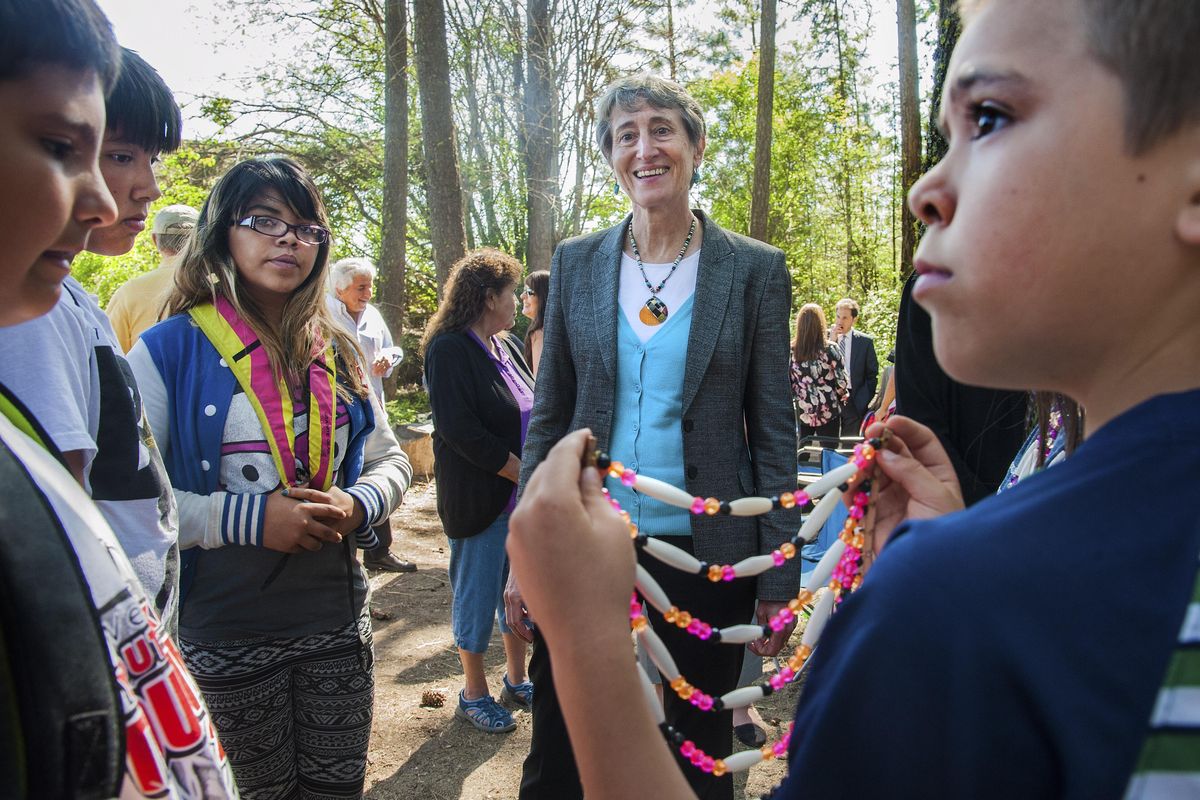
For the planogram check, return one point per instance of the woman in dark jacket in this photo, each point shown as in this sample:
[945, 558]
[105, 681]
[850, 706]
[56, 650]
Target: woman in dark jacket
[481, 393]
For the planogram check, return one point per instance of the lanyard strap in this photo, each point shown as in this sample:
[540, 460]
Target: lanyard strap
[15, 412]
[268, 395]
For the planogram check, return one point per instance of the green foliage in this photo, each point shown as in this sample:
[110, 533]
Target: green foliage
[410, 404]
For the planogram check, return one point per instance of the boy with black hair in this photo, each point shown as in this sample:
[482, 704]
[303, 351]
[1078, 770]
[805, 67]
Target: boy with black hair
[1044, 643]
[72, 369]
[94, 701]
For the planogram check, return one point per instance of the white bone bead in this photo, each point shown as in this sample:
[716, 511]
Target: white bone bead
[821, 613]
[660, 490]
[749, 506]
[744, 760]
[740, 698]
[672, 556]
[832, 479]
[656, 708]
[741, 634]
[824, 569]
[658, 654]
[819, 515]
[754, 565]
[650, 590]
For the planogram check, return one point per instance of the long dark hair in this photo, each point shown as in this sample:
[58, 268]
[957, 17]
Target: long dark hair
[811, 337]
[538, 282]
[207, 268]
[1043, 407]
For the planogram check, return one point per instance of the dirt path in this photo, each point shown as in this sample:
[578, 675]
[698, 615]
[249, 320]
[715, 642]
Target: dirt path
[424, 753]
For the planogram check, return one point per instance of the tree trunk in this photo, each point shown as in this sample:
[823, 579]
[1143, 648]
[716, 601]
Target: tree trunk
[949, 27]
[393, 302]
[910, 128]
[541, 151]
[444, 186]
[760, 197]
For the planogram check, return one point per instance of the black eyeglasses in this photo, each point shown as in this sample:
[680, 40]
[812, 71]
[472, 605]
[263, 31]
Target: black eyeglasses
[270, 226]
[527, 292]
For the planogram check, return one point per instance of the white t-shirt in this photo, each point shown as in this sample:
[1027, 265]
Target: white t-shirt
[373, 337]
[633, 294]
[171, 748]
[67, 369]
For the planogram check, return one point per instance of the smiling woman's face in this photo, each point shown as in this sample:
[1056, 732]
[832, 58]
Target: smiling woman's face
[271, 267]
[652, 157]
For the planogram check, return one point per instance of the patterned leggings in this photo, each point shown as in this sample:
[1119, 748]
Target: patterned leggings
[294, 715]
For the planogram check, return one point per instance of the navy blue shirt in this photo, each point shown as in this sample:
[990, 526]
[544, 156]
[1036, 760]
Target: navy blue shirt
[1015, 649]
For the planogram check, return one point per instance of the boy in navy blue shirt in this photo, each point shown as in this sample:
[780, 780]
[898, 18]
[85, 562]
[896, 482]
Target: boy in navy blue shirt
[1045, 642]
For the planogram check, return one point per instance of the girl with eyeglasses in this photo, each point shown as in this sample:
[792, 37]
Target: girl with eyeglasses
[533, 307]
[281, 465]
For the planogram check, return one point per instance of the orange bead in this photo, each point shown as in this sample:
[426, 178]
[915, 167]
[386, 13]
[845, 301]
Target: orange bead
[639, 623]
[787, 500]
[615, 469]
[867, 451]
[835, 585]
[768, 752]
[719, 768]
[711, 506]
[804, 651]
[714, 573]
[788, 549]
[859, 541]
[686, 692]
[670, 614]
[678, 683]
[804, 596]
[683, 619]
[848, 525]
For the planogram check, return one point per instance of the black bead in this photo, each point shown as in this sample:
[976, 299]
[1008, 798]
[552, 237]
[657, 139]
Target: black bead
[875, 442]
[766, 689]
[640, 540]
[724, 509]
[767, 631]
[843, 487]
[603, 462]
[718, 705]
[716, 635]
[775, 501]
[865, 486]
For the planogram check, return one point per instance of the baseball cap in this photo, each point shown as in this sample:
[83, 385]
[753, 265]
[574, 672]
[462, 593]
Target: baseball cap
[175, 219]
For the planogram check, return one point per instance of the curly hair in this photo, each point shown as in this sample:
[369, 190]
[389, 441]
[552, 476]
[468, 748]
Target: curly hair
[464, 300]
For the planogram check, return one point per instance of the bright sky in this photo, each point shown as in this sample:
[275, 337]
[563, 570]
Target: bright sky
[198, 51]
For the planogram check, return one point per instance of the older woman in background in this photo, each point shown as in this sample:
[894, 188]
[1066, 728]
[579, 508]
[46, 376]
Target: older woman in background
[668, 337]
[351, 285]
[481, 393]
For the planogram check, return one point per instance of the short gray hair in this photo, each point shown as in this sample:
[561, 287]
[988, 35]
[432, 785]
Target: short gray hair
[344, 271]
[632, 91]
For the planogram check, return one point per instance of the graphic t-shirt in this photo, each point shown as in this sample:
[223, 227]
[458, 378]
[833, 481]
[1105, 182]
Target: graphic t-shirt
[68, 369]
[171, 747]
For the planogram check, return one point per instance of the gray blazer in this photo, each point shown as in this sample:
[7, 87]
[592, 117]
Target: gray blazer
[738, 426]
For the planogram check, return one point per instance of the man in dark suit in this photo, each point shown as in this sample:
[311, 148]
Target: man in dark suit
[858, 354]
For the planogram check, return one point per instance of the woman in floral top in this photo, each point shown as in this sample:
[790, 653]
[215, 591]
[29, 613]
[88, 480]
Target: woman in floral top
[819, 379]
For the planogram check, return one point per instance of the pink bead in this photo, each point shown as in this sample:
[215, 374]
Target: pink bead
[694, 627]
[727, 573]
[706, 703]
[707, 764]
[777, 682]
[779, 558]
[687, 748]
[802, 498]
[861, 499]
[788, 673]
[786, 614]
[856, 512]
[860, 462]
[628, 478]
[777, 624]
[697, 758]
[779, 748]
[698, 505]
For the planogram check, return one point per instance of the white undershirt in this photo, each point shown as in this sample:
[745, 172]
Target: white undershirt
[633, 294]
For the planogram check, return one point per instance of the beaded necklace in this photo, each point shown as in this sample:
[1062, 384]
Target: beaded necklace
[839, 571]
[655, 311]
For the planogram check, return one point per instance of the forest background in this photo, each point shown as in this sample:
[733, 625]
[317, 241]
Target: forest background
[438, 126]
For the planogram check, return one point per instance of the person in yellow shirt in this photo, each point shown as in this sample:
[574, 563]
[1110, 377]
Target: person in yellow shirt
[139, 303]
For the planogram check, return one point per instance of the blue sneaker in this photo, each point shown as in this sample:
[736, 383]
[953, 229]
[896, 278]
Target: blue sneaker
[520, 695]
[485, 714]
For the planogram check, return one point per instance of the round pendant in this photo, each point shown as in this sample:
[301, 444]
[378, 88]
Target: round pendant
[654, 312]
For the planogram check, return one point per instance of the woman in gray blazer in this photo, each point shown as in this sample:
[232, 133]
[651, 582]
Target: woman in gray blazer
[668, 337]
